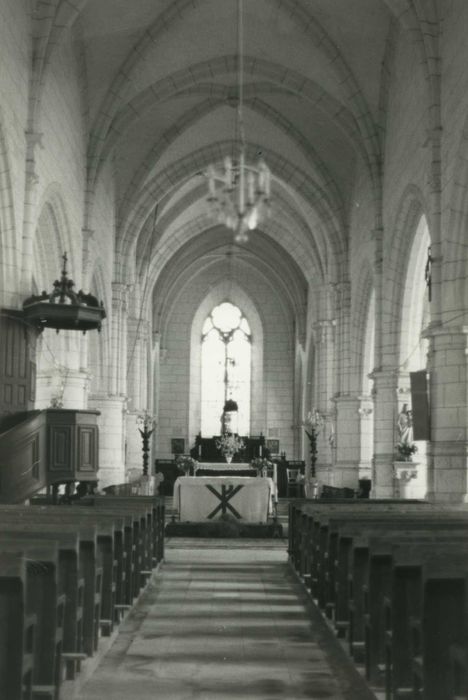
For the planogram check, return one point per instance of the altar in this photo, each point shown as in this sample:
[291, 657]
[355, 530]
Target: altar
[205, 498]
[225, 469]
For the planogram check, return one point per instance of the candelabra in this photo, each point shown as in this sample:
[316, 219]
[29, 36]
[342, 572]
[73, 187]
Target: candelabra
[147, 423]
[313, 425]
[239, 195]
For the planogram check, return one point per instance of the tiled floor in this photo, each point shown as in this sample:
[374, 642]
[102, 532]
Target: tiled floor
[224, 620]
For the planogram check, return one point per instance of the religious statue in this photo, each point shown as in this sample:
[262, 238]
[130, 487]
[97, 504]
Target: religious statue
[405, 446]
[405, 425]
[229, 417]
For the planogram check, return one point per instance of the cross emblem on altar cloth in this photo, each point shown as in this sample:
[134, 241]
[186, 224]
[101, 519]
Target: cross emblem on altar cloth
[227, 492]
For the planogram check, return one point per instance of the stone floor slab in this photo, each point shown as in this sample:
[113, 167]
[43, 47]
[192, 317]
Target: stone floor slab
[224, 623]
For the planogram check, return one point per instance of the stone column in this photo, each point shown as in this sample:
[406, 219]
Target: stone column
[384, 392]
[133, 373]
[112, 424]
[137, 383]
[366, 435]
[448, 450]
[33, 140]
[62, 380]
[134, 459]
[111, 438]
[324, 371]
[344, 364]
[118, 370]
[347, 438]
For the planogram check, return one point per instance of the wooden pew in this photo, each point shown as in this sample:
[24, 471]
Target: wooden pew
[71, 584]
[35, 590]
[414, 568]
[90, 543]
[349, 535]
[351, 558]
[114, 536]
[157, 505]
[443, 623]
[334, 547]
[378, 587]
[17, 627]
[303, 515]
[147, 545]
[327, 527]
[318, 544]
[90, 563]
[125, 537]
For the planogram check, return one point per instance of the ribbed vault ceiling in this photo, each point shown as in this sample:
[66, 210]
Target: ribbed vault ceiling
[162, 91]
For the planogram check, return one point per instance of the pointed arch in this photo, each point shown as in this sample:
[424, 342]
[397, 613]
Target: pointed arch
[9, 254]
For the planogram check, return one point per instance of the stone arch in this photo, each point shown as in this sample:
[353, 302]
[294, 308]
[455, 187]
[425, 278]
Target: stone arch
[9, 255]
[50, 25]
[414, 316]
[397, 249]
[182, 171]
[52, 238]
[455, 247]
[361, 341]
[238, 296]
[273, 79]
[279, 271]
[415, 311]
[306, 247]
[276, 320]
[220, 273]
[217, 96]
[59, 376]
[98, 350]
[305, 20]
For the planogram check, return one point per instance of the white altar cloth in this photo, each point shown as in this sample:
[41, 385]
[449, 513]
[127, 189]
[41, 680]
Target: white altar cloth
[224, 466]
[205, 498]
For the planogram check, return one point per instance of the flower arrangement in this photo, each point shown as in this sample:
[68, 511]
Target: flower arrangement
[229, 444]
[405, 450]
[261, 464]
[186, 463]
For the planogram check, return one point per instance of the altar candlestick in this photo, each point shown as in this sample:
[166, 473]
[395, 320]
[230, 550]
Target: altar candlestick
[260, 451]
[199, 450]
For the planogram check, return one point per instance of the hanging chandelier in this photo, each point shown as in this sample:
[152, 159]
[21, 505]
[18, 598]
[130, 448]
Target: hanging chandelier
[239, 194]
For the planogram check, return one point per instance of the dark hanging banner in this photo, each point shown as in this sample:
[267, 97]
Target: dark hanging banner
[420, 405]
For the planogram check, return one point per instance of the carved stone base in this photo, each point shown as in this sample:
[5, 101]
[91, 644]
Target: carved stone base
[403, 473]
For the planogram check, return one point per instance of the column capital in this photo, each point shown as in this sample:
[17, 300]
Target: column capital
[321, 327]
[437, 330]
[120, 292]
[385, 376]
[34, 139]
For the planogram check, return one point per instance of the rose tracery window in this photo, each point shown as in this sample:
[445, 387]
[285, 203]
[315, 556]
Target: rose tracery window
[226, 367]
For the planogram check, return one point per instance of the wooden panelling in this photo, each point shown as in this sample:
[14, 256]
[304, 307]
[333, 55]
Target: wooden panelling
[87, 448]
[60, 448]
[17, 364]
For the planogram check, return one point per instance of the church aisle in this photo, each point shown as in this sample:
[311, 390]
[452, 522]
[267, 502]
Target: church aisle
[224, 620]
